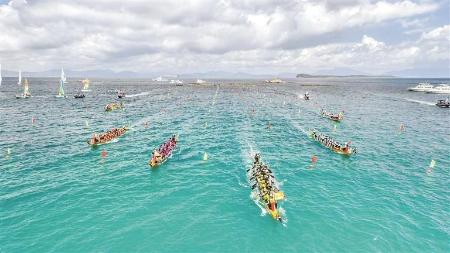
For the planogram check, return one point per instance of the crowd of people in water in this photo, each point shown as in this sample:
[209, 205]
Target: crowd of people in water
[113, 106]
[265, 182]
[330, 115]
[329, 142]
[114, 133]
[164, 150]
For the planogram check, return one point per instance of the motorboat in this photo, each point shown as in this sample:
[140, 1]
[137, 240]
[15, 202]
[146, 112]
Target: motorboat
[276, 80]
[440, 89]
[199, 81]
[177, 82]
[422, 87]
[79, 95]
[160, 79]
[121, 94]
[443, 103]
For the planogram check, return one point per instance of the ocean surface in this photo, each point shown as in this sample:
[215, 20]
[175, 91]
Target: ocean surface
[57, 196]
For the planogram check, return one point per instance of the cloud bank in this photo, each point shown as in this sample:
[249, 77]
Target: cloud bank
[251, 35]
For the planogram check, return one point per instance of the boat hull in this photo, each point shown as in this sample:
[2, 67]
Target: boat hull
[60, 96]
[86, 90]
[104, 142]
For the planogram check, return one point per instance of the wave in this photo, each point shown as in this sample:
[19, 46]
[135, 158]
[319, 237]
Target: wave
[420, 102]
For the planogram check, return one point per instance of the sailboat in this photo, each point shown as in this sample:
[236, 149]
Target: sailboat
[26, 92]
[63, 76]
[20, 78]
[86, 87]
[61, 90]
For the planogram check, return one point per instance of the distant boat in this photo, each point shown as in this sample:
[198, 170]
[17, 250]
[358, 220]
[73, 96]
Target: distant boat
[86, 87]
[177, 82]
[79, 95]
[121, 94]
[61, 90]
[160, 79]
[199, 81]
[26, 92]
[443, 103]
[276, 80]
[63, 76]
[20, 78]
[422, 87]
[441, 89]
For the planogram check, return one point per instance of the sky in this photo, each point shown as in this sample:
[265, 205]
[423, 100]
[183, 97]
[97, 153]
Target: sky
[252, 36]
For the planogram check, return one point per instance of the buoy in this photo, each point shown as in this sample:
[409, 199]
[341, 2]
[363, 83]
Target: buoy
[103, 156]
[146, 124]
[33, 120]
[9, 152]
[269, 126]
[400, 130]
[313, 160]
[334, 128]
[86, 123]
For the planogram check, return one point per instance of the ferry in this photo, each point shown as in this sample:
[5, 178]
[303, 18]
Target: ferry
[422, 87]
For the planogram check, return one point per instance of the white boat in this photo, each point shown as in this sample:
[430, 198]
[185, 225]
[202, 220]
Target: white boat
[20, 78]
[26, 92]
[442, 88]
[160, 79]
[61, 93]
[86, 87]
[199, 81]
[63, 76]
[422, 87]
[177, 82]
[276, 80]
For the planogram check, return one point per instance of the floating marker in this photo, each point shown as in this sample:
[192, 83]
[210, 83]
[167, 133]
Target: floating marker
[103, 156]
[146, 124]
[205, 156]
[313, 160]
[400, 130]
[433, 162]
[206, 124]
[334, 128]
[86, 123]
[33, 120]
[9, 152]
[269, 126]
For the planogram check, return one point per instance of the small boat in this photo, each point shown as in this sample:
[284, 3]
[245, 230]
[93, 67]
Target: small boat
[61, 93]
[160, 79]
[106, 137]
[164, 152]
[121, 94]
[266, 187]
[276, 80]
[440, 89]
[422, 87]
[86, 87]
[79, 95]
[328, 142]
[63, 76]
[199, 81]
[20, 78]
[26, 92]
[114, 106]
[306, 96]
[177, 82]
[331, 116]
[443, 103]
[113, 91]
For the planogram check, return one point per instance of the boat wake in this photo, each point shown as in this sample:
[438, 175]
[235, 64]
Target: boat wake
[137, 95]
[420, 102]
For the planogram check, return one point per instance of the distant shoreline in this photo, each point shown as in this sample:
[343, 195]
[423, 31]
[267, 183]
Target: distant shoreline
[347, 76]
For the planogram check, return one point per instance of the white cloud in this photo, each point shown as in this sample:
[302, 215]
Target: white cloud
[250, 35]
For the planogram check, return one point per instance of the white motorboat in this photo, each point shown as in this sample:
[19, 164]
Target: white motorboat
[177, 82]
[199, 81]
[160, 79]
[440, 89]
[422, 87]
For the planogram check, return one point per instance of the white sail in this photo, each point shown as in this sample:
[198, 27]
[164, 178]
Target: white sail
[20, 78]
[63, 76]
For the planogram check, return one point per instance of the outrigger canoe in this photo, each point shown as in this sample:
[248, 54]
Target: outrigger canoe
[331, 116]
[164, 152]
[114, 106]
[107, 137]
[267, 188]
[330, 143]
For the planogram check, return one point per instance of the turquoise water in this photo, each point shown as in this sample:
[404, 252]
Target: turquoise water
[57, 196]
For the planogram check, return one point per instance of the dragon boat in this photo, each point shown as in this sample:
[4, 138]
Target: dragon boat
[266, 187]
[330, 143]
[106, 137]
[164, 152]
[114, 106]
[331, 116]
